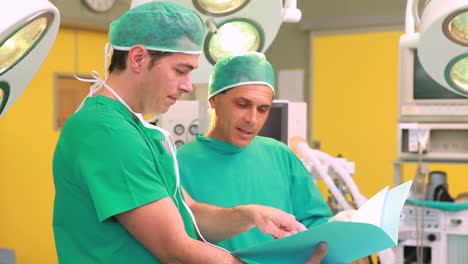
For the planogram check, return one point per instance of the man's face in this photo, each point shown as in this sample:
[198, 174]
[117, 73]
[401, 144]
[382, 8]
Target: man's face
[240, 113]
[162, 84]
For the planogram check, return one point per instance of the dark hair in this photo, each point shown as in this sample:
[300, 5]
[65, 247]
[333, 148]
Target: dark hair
[119, 59]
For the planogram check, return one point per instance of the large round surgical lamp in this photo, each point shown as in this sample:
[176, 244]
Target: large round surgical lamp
[236, 26]
[442, 41]
[27, 31]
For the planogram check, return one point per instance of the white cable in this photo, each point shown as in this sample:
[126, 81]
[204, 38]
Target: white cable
[338, 168]
[352, 187]
[192, 216]
[422, 144]
[420, 194]
[309, 154]
[173, 150]
[409, 17]
[415, 11]
[423, 138]
[358, 197]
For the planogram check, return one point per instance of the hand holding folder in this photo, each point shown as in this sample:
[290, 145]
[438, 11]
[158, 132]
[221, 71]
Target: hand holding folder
[374, 227]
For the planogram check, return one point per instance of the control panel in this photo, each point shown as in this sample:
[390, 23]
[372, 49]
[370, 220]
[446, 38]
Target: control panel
[181, 120]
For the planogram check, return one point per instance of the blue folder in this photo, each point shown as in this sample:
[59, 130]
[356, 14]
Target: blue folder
[374, 227]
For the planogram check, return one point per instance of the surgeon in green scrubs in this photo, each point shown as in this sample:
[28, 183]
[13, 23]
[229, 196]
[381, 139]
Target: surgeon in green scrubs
[117, 194]
[231, 165]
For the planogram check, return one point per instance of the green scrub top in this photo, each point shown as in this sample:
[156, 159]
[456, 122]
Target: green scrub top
[265, 172]
[106, 163]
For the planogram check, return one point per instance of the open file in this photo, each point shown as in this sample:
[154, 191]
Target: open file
[374, 227]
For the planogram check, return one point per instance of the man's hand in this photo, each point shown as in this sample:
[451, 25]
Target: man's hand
[219, 223]
[273, 221]
[319, 254]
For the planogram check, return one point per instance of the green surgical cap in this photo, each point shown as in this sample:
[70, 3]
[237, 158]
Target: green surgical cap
[232, 71]
[158, 25]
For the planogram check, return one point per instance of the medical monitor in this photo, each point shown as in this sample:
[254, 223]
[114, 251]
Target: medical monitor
[424, 100]
[285, 120]
[429, 110]
[276, 125]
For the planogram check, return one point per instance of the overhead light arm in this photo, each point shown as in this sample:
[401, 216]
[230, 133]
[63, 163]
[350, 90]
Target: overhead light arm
[415, 19]
[410, 13]
[290, 12]
[410, 38]
[211, 24]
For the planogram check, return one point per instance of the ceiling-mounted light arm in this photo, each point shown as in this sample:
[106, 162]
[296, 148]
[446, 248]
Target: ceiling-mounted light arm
[211, 24]
[410, 15]
[416, 20]
[290, 12]
[410, 38]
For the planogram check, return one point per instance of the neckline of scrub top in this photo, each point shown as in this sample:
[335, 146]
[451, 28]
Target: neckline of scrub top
[102, 99]
[221, 146]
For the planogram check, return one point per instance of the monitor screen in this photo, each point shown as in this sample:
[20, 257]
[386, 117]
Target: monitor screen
[276, 125]
[422, 99]
[426, 88]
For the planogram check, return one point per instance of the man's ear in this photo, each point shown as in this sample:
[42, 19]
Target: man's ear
[136, 58]
[212, 101]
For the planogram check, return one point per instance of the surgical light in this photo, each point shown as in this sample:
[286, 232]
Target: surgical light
[234, 36]
[458, 72]
[236, 26]
[21, 42]
[219, 7]
[456, 28]
[27, 31]
[442, 41]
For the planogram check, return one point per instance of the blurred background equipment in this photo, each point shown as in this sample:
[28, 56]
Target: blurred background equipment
[437, 187]
[186, 118]
[335, 172]
[7, 256]
[286, 120]
[433, 113]
[27, 31]
[181, 120]
[434, 81]
[435, 232]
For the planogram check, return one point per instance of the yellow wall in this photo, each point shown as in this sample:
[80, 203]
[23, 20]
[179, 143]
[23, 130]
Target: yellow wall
[355, 89]
[27, 142]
